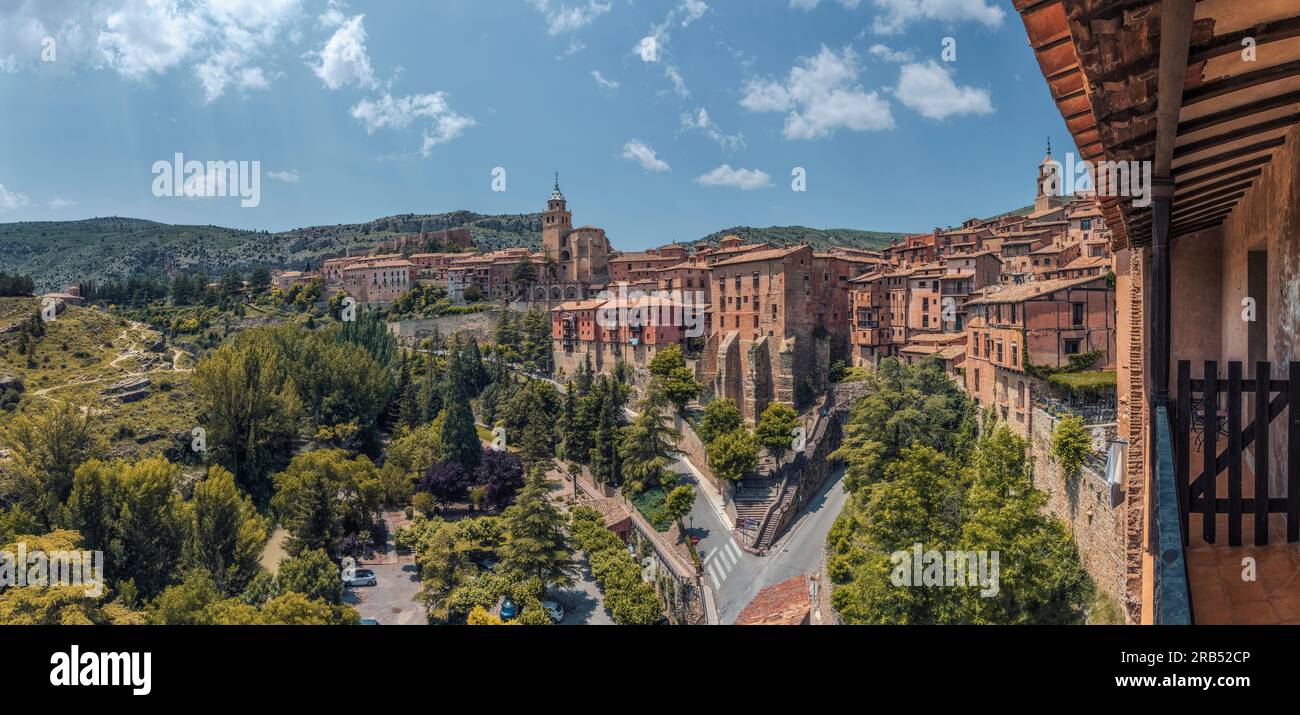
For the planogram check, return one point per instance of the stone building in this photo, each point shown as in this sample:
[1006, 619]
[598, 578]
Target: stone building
[778, 320]
[575, 260]
[1040, 323]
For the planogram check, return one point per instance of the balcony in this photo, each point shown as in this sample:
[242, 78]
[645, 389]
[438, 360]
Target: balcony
[1217, 429]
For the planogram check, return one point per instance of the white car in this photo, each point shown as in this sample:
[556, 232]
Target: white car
[361, 577]
[554, 610]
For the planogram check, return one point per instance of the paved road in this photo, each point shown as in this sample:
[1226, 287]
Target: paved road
[742, 574]
[584, 604]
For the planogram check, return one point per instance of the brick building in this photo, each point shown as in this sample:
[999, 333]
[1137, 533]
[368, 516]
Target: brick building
[1042, 323]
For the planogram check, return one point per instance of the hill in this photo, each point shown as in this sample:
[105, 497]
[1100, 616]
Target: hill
[56, 253]
[819, 239]
[135, 385]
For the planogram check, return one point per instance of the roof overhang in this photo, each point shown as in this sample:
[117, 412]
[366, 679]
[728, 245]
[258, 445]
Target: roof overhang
[1103, 63]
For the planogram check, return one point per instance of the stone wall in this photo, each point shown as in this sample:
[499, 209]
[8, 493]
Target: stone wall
[1083, 502]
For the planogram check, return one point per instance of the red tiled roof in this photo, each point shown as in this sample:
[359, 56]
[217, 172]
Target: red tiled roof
[783, 604]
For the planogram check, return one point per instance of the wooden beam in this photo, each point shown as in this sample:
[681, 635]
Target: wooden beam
[1230, 155]
[1218, 88]
[1182, 201]
[1239, 111]
[1246, 177]
[1230, 43]
[1236, 134]
[1175, 37]
[1252, 163]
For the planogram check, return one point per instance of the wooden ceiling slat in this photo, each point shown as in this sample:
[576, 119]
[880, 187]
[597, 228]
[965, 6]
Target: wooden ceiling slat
[1229, 155]
[1231, 42]
[1208, 195]
[1239, 178]
[1250, 164]
[1220, 87]
[1244, 110]
[1235, 134]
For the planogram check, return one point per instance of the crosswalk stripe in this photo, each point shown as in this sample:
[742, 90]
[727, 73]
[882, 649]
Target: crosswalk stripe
[713, 576]
[735, 550]
[728, 559]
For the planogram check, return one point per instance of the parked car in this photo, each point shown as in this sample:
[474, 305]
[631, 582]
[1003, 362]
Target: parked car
[509, 609]
[361, 577]
[554, 610]
[486, 563]
[368, 622]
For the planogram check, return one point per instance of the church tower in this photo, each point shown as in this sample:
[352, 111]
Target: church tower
[557, 223]
[1045, 200]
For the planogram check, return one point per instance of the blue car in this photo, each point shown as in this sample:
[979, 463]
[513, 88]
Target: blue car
[508, 609]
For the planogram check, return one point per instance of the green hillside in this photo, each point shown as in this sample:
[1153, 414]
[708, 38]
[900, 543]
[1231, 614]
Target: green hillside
[56, 253]
[819, 239]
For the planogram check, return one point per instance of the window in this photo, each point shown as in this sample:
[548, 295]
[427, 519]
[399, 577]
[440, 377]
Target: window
[1072, 346]
[1015, 354]
[1076, 313]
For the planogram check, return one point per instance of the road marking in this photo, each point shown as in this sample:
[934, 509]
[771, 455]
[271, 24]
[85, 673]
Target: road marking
[735, 550]
[713, 576]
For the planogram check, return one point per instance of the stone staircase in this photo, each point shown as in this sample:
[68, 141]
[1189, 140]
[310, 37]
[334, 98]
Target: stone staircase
[754, 497]
[782, 501]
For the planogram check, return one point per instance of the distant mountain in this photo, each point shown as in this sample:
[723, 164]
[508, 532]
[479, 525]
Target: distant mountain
[819, 239]
[56, 253]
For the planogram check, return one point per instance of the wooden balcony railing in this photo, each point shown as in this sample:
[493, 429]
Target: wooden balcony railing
[1203, 417]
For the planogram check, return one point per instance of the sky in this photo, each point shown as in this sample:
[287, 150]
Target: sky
[666, 120]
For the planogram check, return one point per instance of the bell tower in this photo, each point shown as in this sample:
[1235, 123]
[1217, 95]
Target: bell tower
[1049, 176]
[557, 222]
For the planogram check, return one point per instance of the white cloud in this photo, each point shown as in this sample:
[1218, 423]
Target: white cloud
[225, 39]
[744, 179]
[808, 5]
[603, 82]
[692, 10]
[820, 96]
[11, 199]
[884, 52]
[56, 204]
[288, 176]
[342, 60]
[699, 119]
[396, 112]
[445, 129]
[641, 153]
[562, 17]
[898, 14]
[145, 37]
[679, 84]
[929, 89]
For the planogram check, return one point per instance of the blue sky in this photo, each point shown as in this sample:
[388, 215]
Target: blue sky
[358, 110]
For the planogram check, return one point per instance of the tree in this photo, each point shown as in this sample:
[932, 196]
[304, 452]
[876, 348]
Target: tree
[322, 496]
[733, 455]
[226, 534]
[313, 574]
[523, 275]
[131, 512]
[443, 565]
[648, 446]
[667, 360]
[1070, 444]
[414, 451]
[720, 417]
[445, 481]
[46, 449]
[250, 420]
[680, 387]
[460, 442]
[260, 279]
[679, 503]
[501, 473]
[775, 429]
[536, 545]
